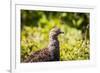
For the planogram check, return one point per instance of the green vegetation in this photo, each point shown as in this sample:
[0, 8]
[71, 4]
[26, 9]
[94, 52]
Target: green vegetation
[74, 43]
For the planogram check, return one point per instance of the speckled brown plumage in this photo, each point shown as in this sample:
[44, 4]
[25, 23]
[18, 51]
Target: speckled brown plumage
[39, 56]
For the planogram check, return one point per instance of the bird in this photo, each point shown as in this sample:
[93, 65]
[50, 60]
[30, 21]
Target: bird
[51, 53]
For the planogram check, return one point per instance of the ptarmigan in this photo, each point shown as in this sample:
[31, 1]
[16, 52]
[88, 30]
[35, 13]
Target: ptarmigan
[51, 53]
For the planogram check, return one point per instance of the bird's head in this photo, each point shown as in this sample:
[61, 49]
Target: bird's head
[55, 31]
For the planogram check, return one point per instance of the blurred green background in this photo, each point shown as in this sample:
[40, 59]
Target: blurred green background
[74, 43]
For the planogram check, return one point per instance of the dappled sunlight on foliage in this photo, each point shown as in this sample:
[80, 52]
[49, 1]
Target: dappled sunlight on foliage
[36, 25]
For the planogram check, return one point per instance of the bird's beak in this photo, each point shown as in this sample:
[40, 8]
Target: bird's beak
[61, 32]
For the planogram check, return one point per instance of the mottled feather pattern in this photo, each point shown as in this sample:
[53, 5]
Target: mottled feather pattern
[39, 56]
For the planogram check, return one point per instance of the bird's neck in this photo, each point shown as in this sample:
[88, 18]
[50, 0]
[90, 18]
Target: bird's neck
[53, 43]
[53, 38]
[54, 47]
